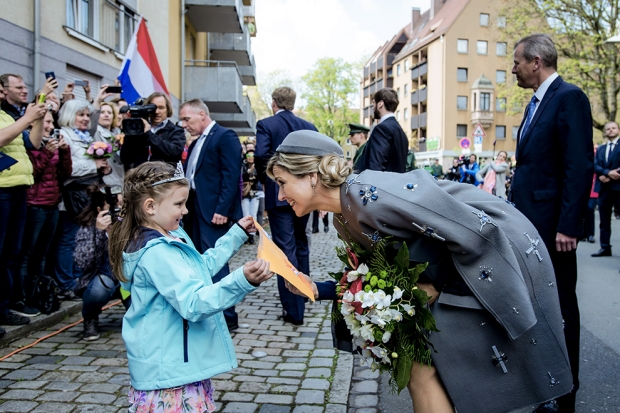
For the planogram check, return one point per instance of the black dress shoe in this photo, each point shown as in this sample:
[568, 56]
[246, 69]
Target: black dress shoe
[232, 327]
[603, 252]
[591, 239]
[326, 228]
[315, 231]
[549, 407]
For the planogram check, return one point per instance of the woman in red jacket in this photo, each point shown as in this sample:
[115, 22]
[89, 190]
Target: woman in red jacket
[51, 164]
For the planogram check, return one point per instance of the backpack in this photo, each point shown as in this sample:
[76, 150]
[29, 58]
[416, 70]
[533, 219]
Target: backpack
[43, 294]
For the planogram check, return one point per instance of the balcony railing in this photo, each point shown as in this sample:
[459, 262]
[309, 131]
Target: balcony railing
[231, 47]
[248, 73]
[243, 123]
[219, 16]
[367, 112]
[216, 83]
[484, 117]
[419, 70]
[366, 71]
[418, 96]
[418, 121]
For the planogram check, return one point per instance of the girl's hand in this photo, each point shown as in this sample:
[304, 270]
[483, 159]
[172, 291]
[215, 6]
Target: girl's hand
[257, 271]
[294, 289]
[51, 145]
[104, 220]
[62, 143]
[247, 223]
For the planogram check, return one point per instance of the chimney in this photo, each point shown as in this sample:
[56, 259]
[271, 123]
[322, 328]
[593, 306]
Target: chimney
[415, 16]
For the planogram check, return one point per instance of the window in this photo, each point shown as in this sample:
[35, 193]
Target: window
[398, 91]
[500, 49]
[485, 101]
[398, 69]
[348, 141]
[461, 131]
[500, 105]
[515, 132]
[461, 102]
[461, 74]
[462, 45]
[398, 115]
[500, 77]
[501, 21]
[406, 113]
[482, 47]
[405, 90]
[500, 132]
[81, 16]
[484, 19]
[406, 65]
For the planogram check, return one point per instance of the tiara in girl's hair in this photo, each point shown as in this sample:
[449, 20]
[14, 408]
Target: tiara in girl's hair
[178, 174]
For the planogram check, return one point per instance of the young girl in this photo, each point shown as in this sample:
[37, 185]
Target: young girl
[175, 333]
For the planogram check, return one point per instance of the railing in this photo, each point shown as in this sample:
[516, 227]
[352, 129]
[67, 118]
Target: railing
[418, 96]
[418, 121]
[419, 70]
[213, 63]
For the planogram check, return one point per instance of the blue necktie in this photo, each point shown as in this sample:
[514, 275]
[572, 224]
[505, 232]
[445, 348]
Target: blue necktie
[531, 107]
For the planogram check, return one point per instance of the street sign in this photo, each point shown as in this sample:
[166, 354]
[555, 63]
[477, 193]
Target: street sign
[477, 139]
[479, 131]
[465, 143]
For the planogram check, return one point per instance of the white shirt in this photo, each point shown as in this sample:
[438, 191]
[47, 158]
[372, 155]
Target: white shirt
[159, 126]
[387, 115]
[608, 149]
[542, 89]
[193, 159]
[281, 110]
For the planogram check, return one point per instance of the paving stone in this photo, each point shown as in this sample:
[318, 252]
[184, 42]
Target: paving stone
[366, 400]
[318, 372]
[317, 384]
[100, 353]
[44, 359]
[11, 366]
[295, 353]
[100, 398]
[224, 385]
[310, 397]
[116, 362]
[324, 353]
[284, 389]
[291, 366]
[237, 397]
[326, 344]
[68, 352]
[97, 408]
[64, 386]
[308, 409]
[321, 362]
[274, 398]
[366, 386]
[122, 379]
[249, 378]
[281, 380]
[257, 365]
[22, 394]
[28, 384]
[366, 410]
[77, 361]
[272, 408]
[54, 408]
[59, 396]
[113, 370]
[252, 387]
[237, 407]
[289, 373]
[60, 376]
[41, 366]
[267, 373]
[37, 351]
[79, 368]
[23, 375]
[367, 374]
[336, 408]
[5, 383]
[101, 388]
[93, 377]
[17, 406]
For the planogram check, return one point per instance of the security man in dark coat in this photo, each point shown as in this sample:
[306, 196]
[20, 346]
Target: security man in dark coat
[358, 136]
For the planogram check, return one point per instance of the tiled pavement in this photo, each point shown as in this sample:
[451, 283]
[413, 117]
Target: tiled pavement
[297, 372]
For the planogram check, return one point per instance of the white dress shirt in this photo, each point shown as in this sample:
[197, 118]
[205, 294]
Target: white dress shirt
[193, 159]
[387, 115]
[610, 147]
[542, 89]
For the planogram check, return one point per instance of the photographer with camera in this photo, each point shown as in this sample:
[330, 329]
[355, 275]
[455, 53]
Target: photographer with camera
[97, 285]
[159, 140]
[51, 165]
[454, 173]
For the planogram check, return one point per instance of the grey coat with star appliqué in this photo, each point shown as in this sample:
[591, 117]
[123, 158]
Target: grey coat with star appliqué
[513, 306]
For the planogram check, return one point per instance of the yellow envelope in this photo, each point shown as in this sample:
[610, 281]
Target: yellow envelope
[279, 264]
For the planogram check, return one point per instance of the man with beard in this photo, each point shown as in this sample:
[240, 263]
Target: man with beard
[386, 149]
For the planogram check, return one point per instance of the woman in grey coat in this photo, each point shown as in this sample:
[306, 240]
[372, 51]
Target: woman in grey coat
[493, 175]
[500, 345]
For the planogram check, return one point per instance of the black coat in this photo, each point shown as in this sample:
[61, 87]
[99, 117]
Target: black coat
[602, 167]
[386, 149]
[166, 145]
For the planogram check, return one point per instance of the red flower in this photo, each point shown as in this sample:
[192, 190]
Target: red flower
[356, 286]
[352, 258]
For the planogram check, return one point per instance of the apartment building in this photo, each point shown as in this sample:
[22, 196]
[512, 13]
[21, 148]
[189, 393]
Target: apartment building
[203, 47]
[448, 66]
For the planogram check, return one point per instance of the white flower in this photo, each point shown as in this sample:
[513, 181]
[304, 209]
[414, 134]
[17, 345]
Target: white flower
[346, 308]
[408, 309]
[352, 276]
[347, 297]
[386, 336]
[366, 353]
[368, 299]
[395, 315]
[362, 318]
[397, 293]
[381, 353]
[374, 366]
[366, 332]
[382, 300]
[359, 296]
[377, 320]
[362, 269]
[360, 342]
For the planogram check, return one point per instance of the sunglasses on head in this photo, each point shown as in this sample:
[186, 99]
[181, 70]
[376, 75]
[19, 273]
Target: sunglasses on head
[249, 155]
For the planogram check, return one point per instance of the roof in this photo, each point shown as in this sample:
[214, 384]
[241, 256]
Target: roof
[482, 83]
[390, 44]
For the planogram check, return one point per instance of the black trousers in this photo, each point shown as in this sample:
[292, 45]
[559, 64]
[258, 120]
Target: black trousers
[607, 198]
[315, 221]
[288, 232]
[565, 267]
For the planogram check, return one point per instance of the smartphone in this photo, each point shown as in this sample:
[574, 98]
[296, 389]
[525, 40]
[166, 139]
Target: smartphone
[114, 89]
[56, 134]
[50, 74]
[78, 82]
[41, 98]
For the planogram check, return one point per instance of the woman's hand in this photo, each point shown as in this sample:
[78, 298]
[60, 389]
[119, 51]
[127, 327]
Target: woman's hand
[50, 85]
[104, 219]
[103, 166]
[294, 289]
[430, 290]
[35, 111]
[51, 145]
[101, 96]
[257, 271]
[62, 143]
[247, 223]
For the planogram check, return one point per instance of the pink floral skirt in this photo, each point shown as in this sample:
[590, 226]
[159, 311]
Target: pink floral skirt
[194, 397]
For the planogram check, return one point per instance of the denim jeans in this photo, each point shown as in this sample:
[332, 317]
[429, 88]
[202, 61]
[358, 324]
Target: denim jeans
[99, 291]
[249, 206]
[12, 221]
[38, 233]
[66, 271]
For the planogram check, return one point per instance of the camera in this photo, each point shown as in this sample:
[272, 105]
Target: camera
[55, 135]
[111, 198]
[138, 111]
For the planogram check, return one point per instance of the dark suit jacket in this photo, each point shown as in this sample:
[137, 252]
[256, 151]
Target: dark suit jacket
[602, 168]
[270, 133]
[165, 145]
[217, 174]
[552, 183]
[386, 149]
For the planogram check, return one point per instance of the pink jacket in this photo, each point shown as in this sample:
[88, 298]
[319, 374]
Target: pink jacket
[49, 169]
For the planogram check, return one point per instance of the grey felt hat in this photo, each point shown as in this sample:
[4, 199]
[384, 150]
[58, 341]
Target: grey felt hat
[307, 142]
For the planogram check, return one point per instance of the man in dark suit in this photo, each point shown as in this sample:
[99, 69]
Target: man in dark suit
[213, 169]
[607, 167]
[552, 182]
[386, 149]
[288, 231]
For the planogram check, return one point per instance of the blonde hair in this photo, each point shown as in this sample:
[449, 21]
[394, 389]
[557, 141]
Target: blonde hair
[114, 112]
[138, 188]
[284, 97]
[332, 170]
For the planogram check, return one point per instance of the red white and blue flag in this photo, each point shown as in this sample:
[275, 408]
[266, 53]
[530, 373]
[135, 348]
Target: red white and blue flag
[140, 73]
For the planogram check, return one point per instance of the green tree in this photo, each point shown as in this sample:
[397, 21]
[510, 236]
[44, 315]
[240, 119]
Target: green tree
[579, 29]
[331, 87]
[268, 82]
[260, 108]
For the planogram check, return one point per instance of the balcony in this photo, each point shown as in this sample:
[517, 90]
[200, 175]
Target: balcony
[248, 73]
[390, 58]
[231, 47]
[366, 71]
[484, 117]
[218, 84]
[419, 71]
[373, 67]
[418, 96]
[418, 121]
[368, 112]
[380, 63]
[242, 123]
[220, 16]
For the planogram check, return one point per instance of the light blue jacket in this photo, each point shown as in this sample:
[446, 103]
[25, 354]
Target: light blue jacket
[174, 331]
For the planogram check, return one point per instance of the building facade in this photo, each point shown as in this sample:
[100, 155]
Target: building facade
[203, 47]
[448, 74]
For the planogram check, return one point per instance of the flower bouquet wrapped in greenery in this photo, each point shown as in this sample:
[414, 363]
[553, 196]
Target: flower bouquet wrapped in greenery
[383, 308]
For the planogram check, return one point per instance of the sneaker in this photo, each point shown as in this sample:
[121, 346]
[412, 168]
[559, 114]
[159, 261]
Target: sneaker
[12, 319]
[68, 295]
[91, 330]
[25, 311]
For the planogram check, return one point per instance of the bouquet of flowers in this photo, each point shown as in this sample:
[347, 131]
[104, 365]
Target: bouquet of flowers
[117, 141]
[384, 309]
[99, 150]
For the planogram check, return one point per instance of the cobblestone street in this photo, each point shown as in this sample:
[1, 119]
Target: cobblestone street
[297, 372]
